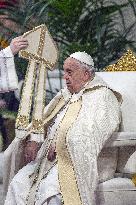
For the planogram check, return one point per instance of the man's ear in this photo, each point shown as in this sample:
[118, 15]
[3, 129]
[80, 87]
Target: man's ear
[87, 75]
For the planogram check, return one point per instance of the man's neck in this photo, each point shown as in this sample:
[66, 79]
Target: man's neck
[82, 87]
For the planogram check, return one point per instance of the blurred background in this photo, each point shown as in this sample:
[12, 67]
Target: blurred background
[103, 28]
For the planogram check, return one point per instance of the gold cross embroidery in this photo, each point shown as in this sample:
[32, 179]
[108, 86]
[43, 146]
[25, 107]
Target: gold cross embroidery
[42, 53]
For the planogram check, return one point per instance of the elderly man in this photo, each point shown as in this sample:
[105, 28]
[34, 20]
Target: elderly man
[8, 77]
[79, 120]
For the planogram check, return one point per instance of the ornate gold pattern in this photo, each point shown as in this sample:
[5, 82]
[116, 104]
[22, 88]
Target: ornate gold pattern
[36, 58]
[54, 111]
[67, 177]
[42, 41]
[37, 126]
[23, 121]
[40, 62]
[126, 63]
[34, 29]
[38, 173]
[71, 189]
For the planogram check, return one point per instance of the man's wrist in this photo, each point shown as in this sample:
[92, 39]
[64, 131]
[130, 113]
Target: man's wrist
[8, 52]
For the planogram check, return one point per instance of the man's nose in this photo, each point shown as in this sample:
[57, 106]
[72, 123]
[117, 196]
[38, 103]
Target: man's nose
[65, 76]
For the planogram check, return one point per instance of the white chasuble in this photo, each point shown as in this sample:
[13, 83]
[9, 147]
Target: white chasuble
[96, 121]
[8, 77]
[42, 53]
[90, 119]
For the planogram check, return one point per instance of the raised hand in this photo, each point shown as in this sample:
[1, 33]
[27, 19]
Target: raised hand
[18, 44]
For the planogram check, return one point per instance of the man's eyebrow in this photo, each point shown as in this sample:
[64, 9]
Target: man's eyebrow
[68, 69]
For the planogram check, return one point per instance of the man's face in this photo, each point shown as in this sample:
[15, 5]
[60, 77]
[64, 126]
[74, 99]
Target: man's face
[75, 76]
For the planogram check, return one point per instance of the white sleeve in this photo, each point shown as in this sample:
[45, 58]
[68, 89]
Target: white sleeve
[8, 76]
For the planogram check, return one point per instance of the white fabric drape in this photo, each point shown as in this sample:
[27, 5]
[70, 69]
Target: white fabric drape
[99, 117]
[8, 76]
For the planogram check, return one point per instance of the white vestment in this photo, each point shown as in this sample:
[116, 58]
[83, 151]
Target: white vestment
[96, 120]
[8, 76]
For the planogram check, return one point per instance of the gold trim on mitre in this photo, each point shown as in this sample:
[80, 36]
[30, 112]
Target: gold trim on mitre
[38, 56]
[42, 53]
[126, 63]
[67, 174]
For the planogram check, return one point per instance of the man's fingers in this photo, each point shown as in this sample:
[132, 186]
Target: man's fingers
[22, 45]
[30, 157]
[19, 38]
[22, 41]
[51, 155]
[17, 44]
[31, 151]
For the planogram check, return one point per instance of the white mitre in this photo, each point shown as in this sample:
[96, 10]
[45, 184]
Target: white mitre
[83, 57]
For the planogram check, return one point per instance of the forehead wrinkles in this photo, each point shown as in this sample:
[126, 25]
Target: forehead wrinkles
[71, 63]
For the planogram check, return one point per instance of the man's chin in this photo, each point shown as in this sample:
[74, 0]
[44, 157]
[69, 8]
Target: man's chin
[70, 88]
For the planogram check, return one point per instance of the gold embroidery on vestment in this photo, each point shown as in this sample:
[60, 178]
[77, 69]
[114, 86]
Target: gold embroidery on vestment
[67, 177]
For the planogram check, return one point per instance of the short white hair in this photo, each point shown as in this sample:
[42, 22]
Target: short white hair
[83, 57]
[89, 68]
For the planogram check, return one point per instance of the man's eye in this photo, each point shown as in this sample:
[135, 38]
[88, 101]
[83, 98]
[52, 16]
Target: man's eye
[70, 73]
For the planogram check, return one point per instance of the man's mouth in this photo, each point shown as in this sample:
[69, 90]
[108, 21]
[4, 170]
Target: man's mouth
[68, 83]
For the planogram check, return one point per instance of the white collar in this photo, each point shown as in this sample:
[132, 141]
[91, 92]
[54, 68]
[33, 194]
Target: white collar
[96, 82]
[72, 97]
